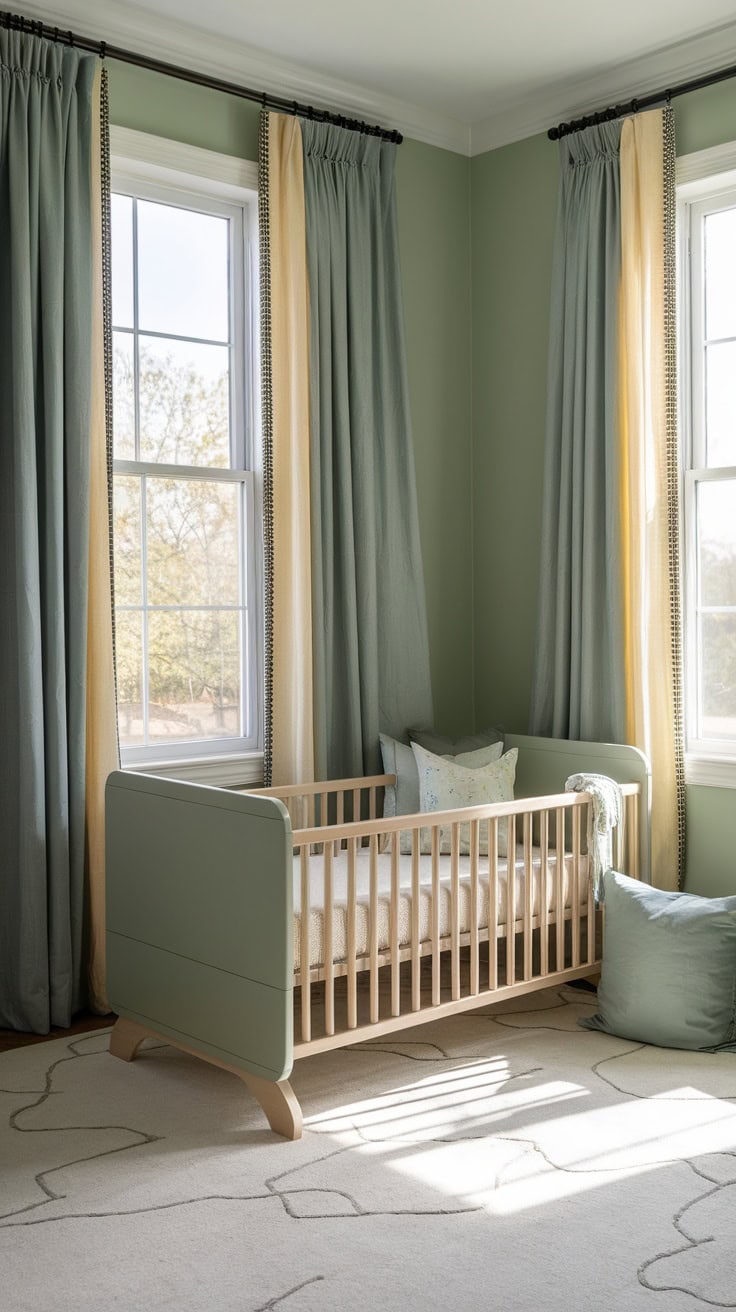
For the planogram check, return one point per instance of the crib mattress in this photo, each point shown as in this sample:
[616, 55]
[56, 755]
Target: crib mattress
[540, 882]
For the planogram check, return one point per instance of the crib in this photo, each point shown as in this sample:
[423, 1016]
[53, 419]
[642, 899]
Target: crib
[255, 928]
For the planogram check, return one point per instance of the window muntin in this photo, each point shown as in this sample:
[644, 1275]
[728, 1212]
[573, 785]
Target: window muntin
[185, 568]
[708, 320]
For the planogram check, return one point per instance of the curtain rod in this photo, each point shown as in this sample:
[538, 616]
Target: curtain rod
[17, 23]
[641, 102]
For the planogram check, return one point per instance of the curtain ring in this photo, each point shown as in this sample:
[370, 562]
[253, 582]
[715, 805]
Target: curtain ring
[294, 108]
[103, 49]
[70, 36]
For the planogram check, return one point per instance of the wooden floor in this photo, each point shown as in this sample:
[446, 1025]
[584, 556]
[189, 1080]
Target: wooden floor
[82, 1022]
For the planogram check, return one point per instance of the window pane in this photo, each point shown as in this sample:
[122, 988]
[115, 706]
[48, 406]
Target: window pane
[182, 272]
[123, 397]
[194, 680]
[184, 403]
[718, 676]
[127, 537]
[716, 510]
[720, 404]
[720, 274]
[129, 670]
[121, 232]
[192, 542]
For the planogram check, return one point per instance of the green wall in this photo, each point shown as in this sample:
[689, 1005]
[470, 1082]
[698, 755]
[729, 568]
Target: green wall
[434, 234]
[513, 204]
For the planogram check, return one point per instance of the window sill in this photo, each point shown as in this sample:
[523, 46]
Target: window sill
[219, 771]
[710, 772]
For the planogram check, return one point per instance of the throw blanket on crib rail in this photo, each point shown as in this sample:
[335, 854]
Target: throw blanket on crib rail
[603, 815]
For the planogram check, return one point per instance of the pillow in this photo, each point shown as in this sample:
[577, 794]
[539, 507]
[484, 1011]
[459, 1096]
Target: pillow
[446, 785]
[433, 742]
[668, 975]
[404, 799]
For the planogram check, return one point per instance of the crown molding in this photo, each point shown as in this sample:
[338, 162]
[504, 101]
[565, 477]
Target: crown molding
[652, 72]
[118, 23]
[177, 43]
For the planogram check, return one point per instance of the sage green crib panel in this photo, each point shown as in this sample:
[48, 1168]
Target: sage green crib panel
[200, 917]
[545, 763]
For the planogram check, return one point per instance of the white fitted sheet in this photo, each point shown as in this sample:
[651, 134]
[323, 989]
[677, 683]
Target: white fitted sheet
[362, 918]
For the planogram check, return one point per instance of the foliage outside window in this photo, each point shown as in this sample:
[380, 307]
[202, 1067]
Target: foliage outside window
[708, 381]
[184, 535]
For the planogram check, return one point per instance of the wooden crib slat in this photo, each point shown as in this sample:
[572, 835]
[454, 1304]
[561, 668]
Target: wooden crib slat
[590, 917]
[455, 911]
[373, 916]
[304, 962]
[435, 915]
[339, 817]
[559, 889]
[493, 904]
[372, 802]
[329, 965]
[394, 927]
[511, 901]
[575, 898]
[634, 837]
[528, 894]
[544, 892]
[356, 805]
[415, 944]
[323, 810]
[352, 948]
[474, 854]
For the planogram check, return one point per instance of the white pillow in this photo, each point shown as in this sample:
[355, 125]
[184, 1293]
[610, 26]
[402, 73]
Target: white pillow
[447, 786]
[403, 799]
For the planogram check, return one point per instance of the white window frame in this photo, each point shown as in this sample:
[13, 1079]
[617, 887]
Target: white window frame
[706, 182]
[176, 173]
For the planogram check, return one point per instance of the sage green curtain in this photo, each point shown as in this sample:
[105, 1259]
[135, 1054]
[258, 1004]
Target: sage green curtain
[45, 367]
[578, 682]
[371, 650]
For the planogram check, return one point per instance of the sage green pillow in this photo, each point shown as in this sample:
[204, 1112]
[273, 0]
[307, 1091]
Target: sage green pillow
[668, 975]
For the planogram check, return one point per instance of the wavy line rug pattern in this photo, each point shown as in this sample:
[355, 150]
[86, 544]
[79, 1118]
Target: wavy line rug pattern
[499, 1159]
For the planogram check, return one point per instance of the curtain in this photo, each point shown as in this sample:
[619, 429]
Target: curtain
[578, 689]
[289, 746]
[101, 737]
[607, 653]
[369, 644]
[47, 428]
[650, 479]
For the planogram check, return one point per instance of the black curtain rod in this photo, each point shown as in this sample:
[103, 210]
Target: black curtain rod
[17, 23]
[641, 102]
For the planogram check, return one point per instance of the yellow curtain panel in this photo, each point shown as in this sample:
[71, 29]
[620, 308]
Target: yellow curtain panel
[649, 483]
[289, 754]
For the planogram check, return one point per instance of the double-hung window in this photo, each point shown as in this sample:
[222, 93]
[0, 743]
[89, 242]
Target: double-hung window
[185, 501]
[707, 321]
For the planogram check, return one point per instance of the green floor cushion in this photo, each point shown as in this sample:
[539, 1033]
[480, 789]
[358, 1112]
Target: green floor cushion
[668, 975]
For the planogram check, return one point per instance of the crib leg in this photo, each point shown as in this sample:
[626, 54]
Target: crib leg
[126, 1038]
[279, 1102]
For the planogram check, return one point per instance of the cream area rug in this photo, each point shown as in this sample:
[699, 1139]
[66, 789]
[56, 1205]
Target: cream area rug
[503, 1159]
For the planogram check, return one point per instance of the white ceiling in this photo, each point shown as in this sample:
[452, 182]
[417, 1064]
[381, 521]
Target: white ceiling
[468, 74]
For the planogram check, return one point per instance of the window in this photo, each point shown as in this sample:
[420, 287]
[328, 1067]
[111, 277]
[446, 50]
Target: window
[185, 500]
[708, 401]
